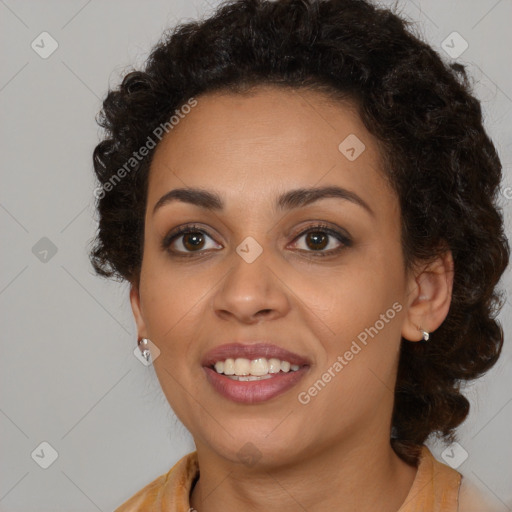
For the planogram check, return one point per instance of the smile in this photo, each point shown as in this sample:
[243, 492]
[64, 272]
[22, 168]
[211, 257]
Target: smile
[256, 378]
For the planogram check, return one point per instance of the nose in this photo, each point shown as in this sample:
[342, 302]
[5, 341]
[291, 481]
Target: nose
[252, 292]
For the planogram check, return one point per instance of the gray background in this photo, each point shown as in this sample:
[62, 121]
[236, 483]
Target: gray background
[68, 373]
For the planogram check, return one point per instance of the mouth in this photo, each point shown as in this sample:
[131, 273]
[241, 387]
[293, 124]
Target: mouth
[253, 373]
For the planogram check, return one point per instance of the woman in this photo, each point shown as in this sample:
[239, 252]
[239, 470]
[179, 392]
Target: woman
[302, 197]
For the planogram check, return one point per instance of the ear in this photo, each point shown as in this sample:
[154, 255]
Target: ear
[137, 311]
[430, 295]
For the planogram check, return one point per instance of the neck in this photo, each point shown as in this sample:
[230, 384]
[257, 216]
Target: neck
[349, 476]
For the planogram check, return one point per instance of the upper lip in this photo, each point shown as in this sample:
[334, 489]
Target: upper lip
[252, 351]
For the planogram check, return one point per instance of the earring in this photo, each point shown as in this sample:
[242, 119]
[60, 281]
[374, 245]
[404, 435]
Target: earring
[425, 334]
[143, 343]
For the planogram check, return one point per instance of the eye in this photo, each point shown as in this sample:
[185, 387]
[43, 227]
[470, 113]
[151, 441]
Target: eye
[323, 240]
[192, 240]
[186, 241]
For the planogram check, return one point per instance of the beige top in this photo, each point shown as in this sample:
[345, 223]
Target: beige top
[435, 488]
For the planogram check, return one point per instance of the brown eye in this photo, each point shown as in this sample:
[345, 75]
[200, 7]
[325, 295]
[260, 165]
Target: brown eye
[193, 240]
[317, 240]
[322, 241]
[187, 241]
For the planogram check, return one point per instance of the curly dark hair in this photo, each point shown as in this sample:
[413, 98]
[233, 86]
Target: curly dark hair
[436, 153]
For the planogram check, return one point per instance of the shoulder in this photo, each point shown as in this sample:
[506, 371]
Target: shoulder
[168, 489]
[435, 487]
[440, 488]
[472, 499]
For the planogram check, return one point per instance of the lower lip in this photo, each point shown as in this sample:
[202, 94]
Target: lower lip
[255, 391]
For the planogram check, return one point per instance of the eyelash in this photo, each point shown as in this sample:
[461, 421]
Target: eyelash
[192, 228]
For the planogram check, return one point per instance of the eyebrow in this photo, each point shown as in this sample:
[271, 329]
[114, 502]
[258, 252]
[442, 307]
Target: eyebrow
[289, 200]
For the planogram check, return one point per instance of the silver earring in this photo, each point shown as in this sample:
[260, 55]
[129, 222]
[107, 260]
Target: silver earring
[425, 334]
[146, 354]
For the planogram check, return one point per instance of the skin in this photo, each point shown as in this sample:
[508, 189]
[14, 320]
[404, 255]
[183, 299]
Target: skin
[249, 149]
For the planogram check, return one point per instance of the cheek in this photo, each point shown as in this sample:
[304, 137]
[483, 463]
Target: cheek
[351, 297]
[361, 304]
[172, 301]
[171, 297]
[355, 371]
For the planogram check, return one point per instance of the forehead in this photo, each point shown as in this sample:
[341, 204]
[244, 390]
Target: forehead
[249, 146]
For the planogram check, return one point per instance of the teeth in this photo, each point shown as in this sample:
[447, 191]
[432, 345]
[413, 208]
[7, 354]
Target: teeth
[229, 367]
[274, 365]
[246, 378]
[243, 369]
[259, 367]
[242, 366]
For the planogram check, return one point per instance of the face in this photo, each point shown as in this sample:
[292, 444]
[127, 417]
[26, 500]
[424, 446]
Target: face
[313, 280]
